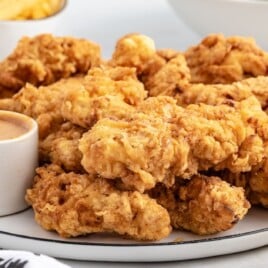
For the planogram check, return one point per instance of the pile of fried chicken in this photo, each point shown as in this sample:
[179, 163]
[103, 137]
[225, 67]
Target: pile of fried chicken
[147, 141]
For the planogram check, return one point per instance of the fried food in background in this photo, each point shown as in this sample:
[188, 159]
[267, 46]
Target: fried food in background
[219, 59]
[45, 59]
[28, 9]
[161, 71]
[75, 204]
[115, 130]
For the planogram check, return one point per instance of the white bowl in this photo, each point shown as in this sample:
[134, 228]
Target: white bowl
[18, 159]
[13, 30]
[230, 17]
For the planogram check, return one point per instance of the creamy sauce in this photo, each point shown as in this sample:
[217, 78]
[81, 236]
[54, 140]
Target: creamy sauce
[12, 126]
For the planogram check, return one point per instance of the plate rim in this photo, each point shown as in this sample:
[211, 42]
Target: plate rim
[136, 252]
[138, 244]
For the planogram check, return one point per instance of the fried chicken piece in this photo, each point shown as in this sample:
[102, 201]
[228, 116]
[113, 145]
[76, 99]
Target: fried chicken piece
[137, 50]
[61, 147]
[219, 59]
[85, 111]
[144, 149]
[201, 119]
[202, 205]
[44, 59]
[169, 79]
[254, 182]
[106, 92]
[216, 94]
[79, 204]
[259, 88]
[120, 81]
[139, 150]
[43, 103]
[133, 50]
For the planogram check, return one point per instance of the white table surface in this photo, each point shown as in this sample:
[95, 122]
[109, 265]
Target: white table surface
[104, 21]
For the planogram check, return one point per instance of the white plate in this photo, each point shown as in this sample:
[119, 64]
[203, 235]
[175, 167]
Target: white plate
[20, 232]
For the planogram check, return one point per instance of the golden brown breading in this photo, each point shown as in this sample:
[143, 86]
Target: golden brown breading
[61, 147]
[44, 59]
[76, 204]
[219, 59]
[213, 94]
[254, 182]
[202, 205]
[133, 50]
[259, 88]
[137, 50]
[121, 81]
[143, 149]
[216, 94]
[43, 103]
[225, 137]
[139, 150]
[169, 79]
[83, 110]
[106, 92]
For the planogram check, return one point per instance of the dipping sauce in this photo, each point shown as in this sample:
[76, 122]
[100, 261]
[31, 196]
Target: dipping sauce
[12, 125]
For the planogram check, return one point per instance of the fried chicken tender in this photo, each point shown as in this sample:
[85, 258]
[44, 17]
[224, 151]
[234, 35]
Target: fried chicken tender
[106, 92]
[79, 204]
[139, 150]
[134, 50]
[216, 94]
[61, 147]
[85, 111]
[42, 103]
[219, 59]
[169, 79]
[44, 59]
[254, 182]
[202, 205]
[144, 149]
[161, 71]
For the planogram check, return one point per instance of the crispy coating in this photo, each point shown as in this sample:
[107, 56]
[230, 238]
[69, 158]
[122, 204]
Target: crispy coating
[121, 81]
[219, 59]
[259, 88]
[202, 205]
[42, 103]
[61, 147]
[44, 59]
[143, 149]
[216, 94]
[254, 182]
[106, 92]
[134, 50]
[137, 50]
[139, 150]
[85, 111]
[79, 204]
[169, 79]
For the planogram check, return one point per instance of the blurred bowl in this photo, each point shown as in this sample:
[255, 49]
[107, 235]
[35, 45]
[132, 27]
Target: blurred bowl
[13, 30]
[230, 17]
